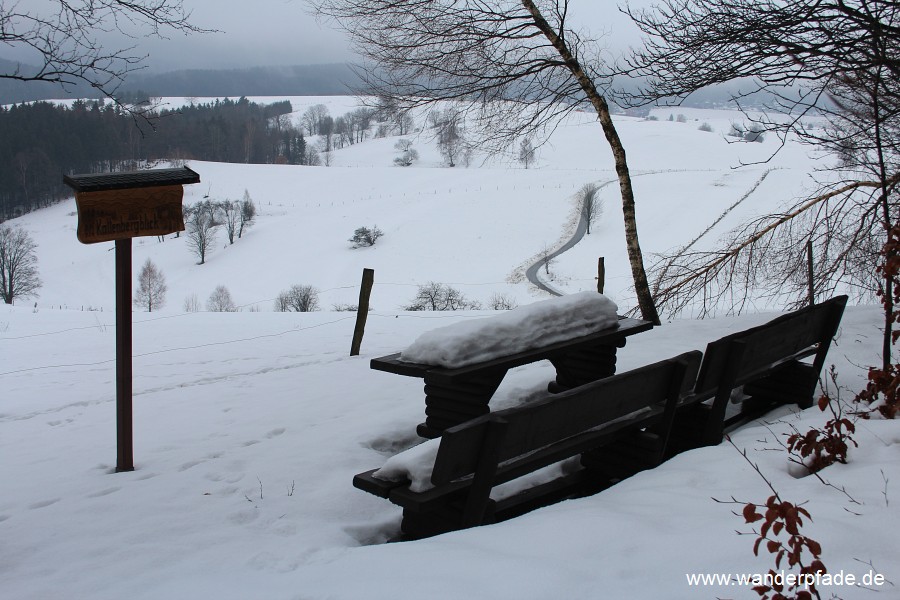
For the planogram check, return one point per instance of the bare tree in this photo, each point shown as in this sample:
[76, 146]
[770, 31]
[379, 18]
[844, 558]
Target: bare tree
[358, 123]
[151, 289]
[526, 152]
[299, 298]
[18, 264]
[591, 208]
[312, 158]
[837, 59]
[440, 297]
[201, 225]
[547, 258]
[326, 131]
[313, 118]
[323, 152]
[404, 123]
[66, 37]
[280, 122]
[450, 134]
[408, 154]
[514, 68]
[229, 215]
[247, 214]
[501, 301]
[191, 304]
[220, 300]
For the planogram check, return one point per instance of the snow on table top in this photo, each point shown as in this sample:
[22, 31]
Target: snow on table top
[523, 328]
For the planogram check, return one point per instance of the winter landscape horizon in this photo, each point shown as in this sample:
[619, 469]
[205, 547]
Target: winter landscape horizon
[249, 425]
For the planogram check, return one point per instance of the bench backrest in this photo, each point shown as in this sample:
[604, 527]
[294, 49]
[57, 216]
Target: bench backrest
[800, 333]
[639, 396]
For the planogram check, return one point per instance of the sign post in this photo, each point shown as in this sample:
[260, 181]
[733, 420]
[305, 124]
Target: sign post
[124, 418]
[118, 207]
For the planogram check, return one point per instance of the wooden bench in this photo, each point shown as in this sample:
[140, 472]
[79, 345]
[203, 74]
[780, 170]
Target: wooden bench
[767, 362]
[487, 451]
[454, 396]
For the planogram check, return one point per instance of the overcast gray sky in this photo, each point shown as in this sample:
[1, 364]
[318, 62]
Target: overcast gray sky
[281, 32]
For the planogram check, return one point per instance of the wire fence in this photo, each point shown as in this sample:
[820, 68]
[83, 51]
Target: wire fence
[242, 340]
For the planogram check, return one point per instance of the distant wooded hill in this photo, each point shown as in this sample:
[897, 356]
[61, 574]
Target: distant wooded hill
[300, 80]
[41, 141]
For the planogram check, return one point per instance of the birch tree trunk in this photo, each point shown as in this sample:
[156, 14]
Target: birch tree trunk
[635, 257]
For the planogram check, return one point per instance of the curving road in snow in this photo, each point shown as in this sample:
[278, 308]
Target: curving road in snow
[533, 272]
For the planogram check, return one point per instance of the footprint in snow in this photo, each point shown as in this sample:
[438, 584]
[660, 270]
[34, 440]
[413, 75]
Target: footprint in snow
[105, 492]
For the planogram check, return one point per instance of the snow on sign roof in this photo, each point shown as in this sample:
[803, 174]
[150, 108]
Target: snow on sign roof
[96, 182]
[530, 326]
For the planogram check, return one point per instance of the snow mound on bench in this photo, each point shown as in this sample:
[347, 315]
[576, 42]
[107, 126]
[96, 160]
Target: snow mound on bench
[415, 464]
[524, 328]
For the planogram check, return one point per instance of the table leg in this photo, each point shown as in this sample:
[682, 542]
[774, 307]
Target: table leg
[584, 366]
[449, 404]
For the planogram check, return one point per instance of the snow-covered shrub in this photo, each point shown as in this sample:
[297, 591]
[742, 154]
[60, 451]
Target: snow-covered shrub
[364, 236]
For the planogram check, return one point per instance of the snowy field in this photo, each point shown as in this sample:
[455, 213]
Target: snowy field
[249, 426]
[476, 228]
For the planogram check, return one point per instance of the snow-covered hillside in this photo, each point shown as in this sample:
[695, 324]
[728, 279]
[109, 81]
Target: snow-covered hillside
[249, 426]
[475, 228]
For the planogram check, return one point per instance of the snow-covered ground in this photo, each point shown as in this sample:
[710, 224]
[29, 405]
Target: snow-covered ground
[249, 426]
[476, 228]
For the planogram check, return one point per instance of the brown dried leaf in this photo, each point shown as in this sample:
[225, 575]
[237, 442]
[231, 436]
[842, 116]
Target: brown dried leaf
[750, 514]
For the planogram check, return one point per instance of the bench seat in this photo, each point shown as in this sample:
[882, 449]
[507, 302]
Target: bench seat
[482, 453]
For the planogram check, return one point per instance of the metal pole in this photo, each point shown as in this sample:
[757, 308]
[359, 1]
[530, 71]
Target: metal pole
[124, 433]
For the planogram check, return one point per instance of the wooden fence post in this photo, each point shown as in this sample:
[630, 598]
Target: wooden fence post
[365, 291]
[601, 274]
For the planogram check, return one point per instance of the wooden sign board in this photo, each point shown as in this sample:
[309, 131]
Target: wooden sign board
[120, 206]
[126, 213]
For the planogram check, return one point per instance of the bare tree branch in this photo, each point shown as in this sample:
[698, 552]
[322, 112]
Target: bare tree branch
[830, 74]
[64, 38]
[702, 279]
[514, 68]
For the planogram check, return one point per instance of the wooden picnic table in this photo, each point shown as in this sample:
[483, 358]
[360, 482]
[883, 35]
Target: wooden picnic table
[454, 396]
